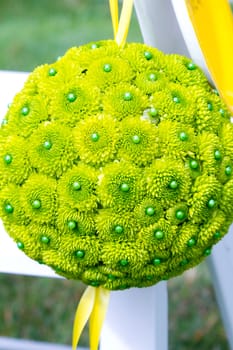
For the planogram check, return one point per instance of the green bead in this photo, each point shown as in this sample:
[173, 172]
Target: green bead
[20, 245]
[222, 112]
[128, 96]
[211, 203]
[124, 262]
[209, 106]
[47, 145]
[4, 122]
[9, 208]
[149, 277]
[36, 204]
[71, 97]
[111, 277]
[158, 234]
[150, 211]
[176, 99]
[118, 229]
[207, 251]
[52, 72]
[153, 112]
[136, 139]
[94, 46]
[148, 55]
[76, 186]
[152, 77]
[173, 185]
[184, 262]
[107, 68]
[71, 224]
[217, 235]
[7, 159]
[191, 66]
[45, 239]
[94, 283]
[123, 286]
[215, 91]
[180, 214]
[95, 137]
[191, 242]
[228, 170]
[25, 110]
[156, 261]
[183, 136]
[80, 254]
[193, 164]
[124, 187]
[217, 155]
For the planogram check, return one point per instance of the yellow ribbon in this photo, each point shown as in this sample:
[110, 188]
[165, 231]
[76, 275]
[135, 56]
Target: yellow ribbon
[94, 302]
[93, 305]
[114, 14]
[121, 30]
[213, 23]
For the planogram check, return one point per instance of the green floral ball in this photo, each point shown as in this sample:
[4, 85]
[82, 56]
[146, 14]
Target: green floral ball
[116, 165]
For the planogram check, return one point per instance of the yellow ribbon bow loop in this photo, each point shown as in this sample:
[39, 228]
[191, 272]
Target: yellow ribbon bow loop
[121, 28]
[213, 24]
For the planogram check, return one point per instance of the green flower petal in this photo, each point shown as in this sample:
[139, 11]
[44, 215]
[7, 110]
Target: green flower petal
[52, 149]
[77, 188]
[15, 166]
[138, 141]
[124, 100]
[96, 139]
[119, 187]
[162, 173]
[39, 199]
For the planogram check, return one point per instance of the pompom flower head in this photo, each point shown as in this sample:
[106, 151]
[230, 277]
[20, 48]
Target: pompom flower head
[116, 166]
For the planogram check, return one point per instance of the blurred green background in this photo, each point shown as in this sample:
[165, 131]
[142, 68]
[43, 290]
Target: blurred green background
[35, 32]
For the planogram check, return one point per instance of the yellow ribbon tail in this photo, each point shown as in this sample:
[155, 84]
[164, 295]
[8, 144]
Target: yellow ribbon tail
[82, 314]
[213, 23]
[93, 305]
[97, 316]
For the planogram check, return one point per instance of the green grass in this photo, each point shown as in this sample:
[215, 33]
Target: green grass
[39, 308]
[194, 319]
[31, 33]
[34, 32]
[43, 309]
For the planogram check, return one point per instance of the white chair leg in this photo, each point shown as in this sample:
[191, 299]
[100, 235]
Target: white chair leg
[221, 268]
[137, 319]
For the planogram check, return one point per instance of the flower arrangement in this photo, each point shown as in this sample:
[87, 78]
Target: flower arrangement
[116, 165]
[116, 168]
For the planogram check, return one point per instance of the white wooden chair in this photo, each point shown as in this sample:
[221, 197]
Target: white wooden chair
[165, 24]
[137, 319]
